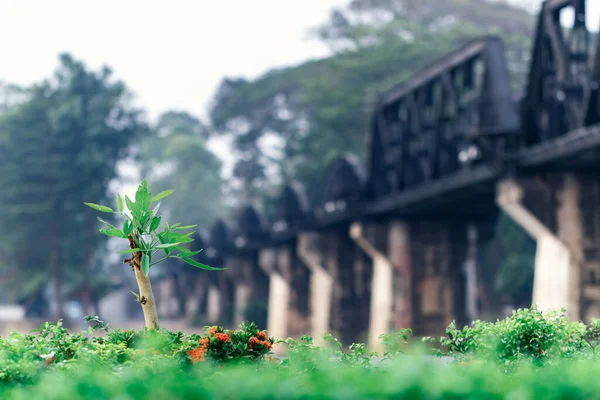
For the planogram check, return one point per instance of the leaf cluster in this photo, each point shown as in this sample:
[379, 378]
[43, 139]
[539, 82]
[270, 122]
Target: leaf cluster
[141, 228]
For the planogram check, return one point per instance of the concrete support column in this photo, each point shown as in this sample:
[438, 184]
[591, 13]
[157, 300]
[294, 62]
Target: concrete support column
[399, 253]
[381, 290]
[321, 286]
[239, 272]
[470, 270]
[213, 309]
[192, 305]
[168, 302]
[279, 295]
[558, 256]
[242, 298]
[438, 250]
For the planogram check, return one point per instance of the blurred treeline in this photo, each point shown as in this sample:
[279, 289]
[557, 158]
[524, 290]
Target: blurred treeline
[64, 140]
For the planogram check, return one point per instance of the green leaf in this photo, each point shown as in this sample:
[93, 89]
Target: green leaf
[119, 203]
[145, 264]
[167, 245]
[132, 207]
[99, 207]
[162, 237]
[129, 251]
[155, 210]
[141, 243]
[142, 196]
[104, 222]
[137, 296]
[181, 238]
[182, 228]
[127, 227]
[200, 265]
[162, 195]
[144, 219]
[188, 254]
[155, 223]
[113, 232]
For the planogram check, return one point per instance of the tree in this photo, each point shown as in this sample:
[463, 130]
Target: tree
[320, 109]
[60, 145]
[141, 232]
[177, 156]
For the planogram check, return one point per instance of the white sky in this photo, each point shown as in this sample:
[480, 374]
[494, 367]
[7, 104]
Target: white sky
[171, 54]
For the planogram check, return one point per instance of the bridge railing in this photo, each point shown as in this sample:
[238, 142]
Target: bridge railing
[456, 113]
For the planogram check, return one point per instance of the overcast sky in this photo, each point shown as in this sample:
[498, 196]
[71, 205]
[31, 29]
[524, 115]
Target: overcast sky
[172, 54]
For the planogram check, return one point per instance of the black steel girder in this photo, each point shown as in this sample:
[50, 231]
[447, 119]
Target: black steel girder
[219, 246]
[250, 232]
[457, 113]
[341, 193]
[559, 75]
[593, 104]
[576, 149]
[291, 213]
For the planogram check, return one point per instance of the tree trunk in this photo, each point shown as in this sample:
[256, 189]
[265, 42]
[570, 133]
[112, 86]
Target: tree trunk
[146, 295]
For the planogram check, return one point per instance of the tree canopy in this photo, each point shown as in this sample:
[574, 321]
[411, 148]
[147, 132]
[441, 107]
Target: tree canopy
[60, 144]
[320, 109]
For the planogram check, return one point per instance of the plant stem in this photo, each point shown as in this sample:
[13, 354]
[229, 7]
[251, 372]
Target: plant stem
[146, 295]
[161, 260]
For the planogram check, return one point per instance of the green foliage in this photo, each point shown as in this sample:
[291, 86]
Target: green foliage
[176, 156]
[507, 261]
[61, 142]
[150, 364]
[140, 228]
[527, 336]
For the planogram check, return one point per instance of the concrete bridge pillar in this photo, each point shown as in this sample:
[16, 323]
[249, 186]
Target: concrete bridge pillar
[562, 213]
[419, 275]
[279, 295]
[213, 307]
[193, 304]
[382, 288]
[401, 260]
[351, 273]
[239, 270]
[250, 289]
[321, 285]
[295, 273]
[438, 254]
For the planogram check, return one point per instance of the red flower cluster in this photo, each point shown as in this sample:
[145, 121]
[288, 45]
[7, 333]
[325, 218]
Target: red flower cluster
[261, 340]
[223, 337]
[198, 354]
[212, 330]
[223, 344]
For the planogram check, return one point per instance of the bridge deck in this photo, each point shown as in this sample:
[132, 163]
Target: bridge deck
[462, 191]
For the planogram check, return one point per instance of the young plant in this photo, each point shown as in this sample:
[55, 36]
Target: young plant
[141, 230]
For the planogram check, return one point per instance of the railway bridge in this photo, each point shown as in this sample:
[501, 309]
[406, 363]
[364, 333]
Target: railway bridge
[391, 244]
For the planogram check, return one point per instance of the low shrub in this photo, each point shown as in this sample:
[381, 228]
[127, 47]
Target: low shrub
[528, 335]
[528, 355]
